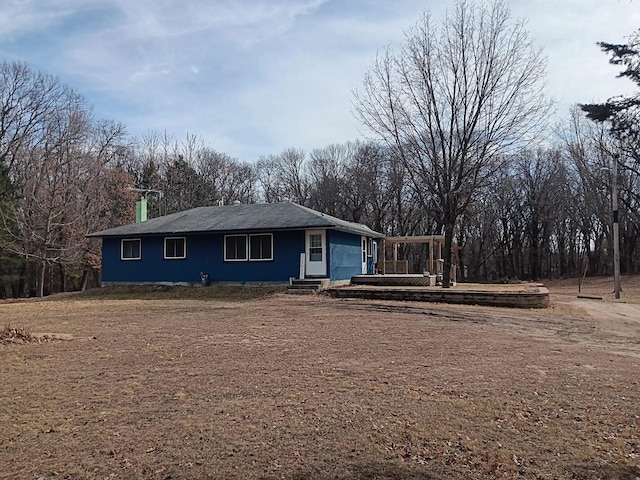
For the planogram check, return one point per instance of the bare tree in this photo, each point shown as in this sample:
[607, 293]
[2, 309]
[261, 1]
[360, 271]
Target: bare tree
[327, 174]
[27, 98]
[590, 148]
[267, 173]
[291, 167]
[365, 195]
[55, 156]
[452, 101]
[45, 175]
[284, 176]
[226, 179]
[542, 178]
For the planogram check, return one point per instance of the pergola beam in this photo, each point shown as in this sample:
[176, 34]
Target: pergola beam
[417, 239]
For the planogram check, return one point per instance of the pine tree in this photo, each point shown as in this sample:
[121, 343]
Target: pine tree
[622, 112]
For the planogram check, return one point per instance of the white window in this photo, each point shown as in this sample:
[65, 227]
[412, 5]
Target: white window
[175, 248]
[130, 249]
[315, 247]
[235, 248]
[261, 247]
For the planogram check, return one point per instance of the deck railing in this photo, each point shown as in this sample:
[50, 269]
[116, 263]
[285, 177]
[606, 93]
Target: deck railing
[396, 266]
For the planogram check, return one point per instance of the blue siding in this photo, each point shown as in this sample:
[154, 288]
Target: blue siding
[204, 254]
[345, 255]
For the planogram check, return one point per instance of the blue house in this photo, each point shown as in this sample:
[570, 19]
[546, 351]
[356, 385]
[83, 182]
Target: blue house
[257, 243]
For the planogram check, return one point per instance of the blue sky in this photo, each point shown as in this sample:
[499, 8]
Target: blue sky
[253, 77]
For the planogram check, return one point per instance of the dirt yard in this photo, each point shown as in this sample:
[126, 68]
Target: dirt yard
[300, 387]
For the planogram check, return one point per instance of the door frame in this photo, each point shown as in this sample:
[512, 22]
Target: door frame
[315, 268]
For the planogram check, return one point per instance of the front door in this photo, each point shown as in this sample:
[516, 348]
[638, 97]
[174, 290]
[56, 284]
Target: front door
[316, 253]
[363, 240]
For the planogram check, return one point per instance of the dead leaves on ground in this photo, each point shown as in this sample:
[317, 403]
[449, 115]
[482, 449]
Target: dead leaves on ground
[17, 335]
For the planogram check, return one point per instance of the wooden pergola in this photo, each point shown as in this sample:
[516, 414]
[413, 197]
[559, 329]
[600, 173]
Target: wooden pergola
[435, 263]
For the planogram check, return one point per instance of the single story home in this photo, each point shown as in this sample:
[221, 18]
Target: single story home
[256, 243]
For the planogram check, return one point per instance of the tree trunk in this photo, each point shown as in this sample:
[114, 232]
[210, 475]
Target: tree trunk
[461, 258]
[562, 256]
[63, 278]
[41, 276]
[85, 279]
[448, 242]
[534, 254]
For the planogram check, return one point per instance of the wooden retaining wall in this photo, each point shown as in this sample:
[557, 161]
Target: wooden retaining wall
[537, 297]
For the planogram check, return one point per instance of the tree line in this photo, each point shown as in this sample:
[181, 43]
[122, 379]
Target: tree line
[457, 149]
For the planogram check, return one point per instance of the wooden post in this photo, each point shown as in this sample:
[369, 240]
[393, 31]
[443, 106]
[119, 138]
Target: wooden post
[384, 256]
[431, 271]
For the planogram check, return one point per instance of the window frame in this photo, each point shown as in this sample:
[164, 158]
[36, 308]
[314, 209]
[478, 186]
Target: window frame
[246, 250]
[184, 248]
[270, 235]
[313, 250]
[122, 241]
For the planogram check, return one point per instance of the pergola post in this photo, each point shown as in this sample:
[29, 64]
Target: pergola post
[384, 256]
[431, 257]
[435, 243]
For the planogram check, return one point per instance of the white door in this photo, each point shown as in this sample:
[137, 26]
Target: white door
[363, 240]
[316, 253]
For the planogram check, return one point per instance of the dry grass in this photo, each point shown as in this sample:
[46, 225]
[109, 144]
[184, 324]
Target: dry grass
[165, 292]
[312, 387]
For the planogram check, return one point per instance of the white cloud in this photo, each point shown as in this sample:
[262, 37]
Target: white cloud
[257, 76]
[147, 72]
[19, 15]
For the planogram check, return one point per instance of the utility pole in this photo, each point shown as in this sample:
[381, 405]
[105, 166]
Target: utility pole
[616, 231]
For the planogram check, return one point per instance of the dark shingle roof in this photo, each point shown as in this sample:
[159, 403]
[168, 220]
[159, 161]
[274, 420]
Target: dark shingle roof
[231, 218]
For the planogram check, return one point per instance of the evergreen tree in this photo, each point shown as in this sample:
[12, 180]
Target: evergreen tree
[622, 112]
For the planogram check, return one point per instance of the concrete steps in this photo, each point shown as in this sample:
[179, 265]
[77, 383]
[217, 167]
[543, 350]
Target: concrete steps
[308, 286]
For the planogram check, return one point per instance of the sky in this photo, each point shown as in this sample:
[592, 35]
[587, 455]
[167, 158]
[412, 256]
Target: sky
[254, 77]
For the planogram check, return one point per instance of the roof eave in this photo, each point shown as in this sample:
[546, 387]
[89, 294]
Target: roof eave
[356, 231]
